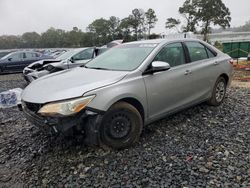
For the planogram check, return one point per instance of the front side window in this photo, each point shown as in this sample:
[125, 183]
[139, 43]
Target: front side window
[172, 54]
[84, 55]
[122, 58]
[16, 57]
[196, 51]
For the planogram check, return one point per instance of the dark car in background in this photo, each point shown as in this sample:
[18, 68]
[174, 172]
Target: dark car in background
[16, 61]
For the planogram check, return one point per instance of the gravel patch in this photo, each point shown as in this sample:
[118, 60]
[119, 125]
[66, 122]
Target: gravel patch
[199, 147]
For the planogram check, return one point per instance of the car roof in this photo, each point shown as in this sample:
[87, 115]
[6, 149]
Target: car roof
[25, 51]
[159, 41]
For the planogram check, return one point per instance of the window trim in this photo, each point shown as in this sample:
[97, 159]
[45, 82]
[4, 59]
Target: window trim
[205, 47]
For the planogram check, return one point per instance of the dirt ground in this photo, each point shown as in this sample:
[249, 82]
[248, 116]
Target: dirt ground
[236, 83]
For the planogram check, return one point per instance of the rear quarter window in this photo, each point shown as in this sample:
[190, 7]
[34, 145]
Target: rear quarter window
[210, 53]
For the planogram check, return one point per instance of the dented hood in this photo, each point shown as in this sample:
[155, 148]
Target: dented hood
[69, 84]
[43, 62]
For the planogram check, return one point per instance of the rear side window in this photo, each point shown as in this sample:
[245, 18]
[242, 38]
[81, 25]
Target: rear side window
[210, 54]
[37, 55]
[28, 55]
[196, 51]
[172, 54]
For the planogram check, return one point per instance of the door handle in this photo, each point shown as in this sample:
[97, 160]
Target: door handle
[187, 72]
[216, 63]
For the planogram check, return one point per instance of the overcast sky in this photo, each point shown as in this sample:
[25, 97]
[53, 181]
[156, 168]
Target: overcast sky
[19, 16]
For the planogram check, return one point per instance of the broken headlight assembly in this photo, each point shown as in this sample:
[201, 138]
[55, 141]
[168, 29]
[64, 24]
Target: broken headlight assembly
[49, 68]
[65, 108]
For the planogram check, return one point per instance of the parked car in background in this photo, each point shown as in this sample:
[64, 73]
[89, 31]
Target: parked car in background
[111, 98]
[16, 61]
[70, 59]
[57, 53]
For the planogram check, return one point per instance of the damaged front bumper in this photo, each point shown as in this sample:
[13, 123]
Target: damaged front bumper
[86, 122]
[30, 75]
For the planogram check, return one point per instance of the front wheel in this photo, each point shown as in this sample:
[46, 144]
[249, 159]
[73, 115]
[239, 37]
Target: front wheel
[219, 92]
[121, 126]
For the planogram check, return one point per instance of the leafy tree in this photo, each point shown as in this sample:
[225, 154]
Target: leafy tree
[212, 12]
[205, 13]
[114, 23]
[100, 27]
[125, 29]
[151, 19]
[137, 22]
[172, 23]
[73, 37]
[189, 12]
[10, 41]
[30, 40]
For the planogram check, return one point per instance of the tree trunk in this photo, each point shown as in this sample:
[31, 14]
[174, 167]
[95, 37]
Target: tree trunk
[148, 32]
[205, 37]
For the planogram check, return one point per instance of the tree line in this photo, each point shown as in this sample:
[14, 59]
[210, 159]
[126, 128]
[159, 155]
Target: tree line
[198, 16]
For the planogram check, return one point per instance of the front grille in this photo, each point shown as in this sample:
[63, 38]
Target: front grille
[34, 107]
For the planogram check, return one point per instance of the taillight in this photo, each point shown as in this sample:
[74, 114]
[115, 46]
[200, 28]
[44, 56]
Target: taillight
[231, 61]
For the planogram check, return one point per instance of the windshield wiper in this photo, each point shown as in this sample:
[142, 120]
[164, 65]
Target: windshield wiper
[97, 68]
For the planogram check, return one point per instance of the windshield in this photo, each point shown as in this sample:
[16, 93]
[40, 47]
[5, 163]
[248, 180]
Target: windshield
[67, 54]
[122, 58]
[3, 55]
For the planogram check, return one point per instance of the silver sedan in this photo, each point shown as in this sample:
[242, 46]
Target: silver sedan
[116, 94]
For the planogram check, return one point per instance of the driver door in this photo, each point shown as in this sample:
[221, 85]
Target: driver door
[169, 90]
[14, 61]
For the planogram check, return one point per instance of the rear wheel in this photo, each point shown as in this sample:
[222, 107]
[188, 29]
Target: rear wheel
[219, 92]
[121, 126]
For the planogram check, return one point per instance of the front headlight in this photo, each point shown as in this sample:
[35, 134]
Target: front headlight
[66, 108]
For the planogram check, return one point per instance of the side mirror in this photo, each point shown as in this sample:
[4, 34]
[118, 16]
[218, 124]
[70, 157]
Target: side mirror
[72, 60]
[9, 59]
[158, 66]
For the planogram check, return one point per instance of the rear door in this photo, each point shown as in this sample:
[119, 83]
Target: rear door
[204, 70]
[29, 58]
[169, 90]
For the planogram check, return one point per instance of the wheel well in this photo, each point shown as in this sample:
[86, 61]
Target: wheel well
[225, 77]
[136, 104]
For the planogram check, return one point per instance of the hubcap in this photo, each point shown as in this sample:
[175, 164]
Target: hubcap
[220, 91]
[120, 126]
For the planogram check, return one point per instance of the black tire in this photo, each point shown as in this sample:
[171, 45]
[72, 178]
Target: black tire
[121, 126]
[219, 92]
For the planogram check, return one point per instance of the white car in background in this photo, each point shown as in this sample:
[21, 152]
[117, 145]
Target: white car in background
[70, 59]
